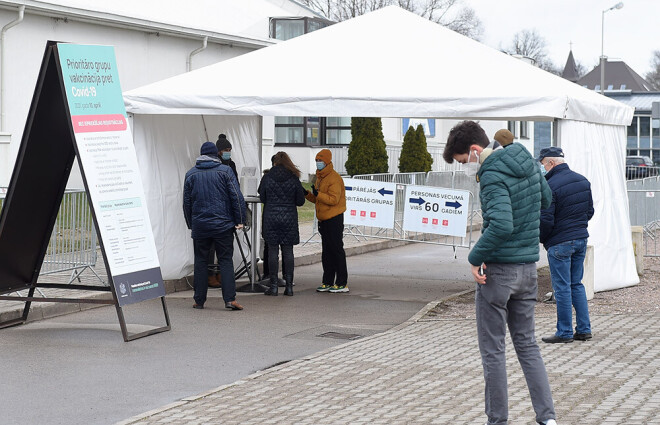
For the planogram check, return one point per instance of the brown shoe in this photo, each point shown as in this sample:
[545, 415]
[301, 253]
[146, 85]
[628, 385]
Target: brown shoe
[233, 305]
[213, 282]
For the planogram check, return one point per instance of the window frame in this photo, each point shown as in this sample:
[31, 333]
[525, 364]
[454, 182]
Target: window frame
[306, 21]
[323, 127]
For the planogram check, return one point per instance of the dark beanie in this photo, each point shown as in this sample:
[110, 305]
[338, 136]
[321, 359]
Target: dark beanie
[208, 148]
[222, 143]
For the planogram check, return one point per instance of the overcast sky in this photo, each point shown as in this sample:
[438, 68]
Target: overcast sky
[631, 33]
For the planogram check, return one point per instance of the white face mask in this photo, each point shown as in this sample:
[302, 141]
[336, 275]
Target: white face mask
[471, 167]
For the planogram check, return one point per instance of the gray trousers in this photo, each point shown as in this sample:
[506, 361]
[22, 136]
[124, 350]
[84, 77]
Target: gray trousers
[509, 297]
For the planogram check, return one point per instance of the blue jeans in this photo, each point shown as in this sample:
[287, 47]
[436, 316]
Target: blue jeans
[224, 248]
[509, 298]
[566, 269]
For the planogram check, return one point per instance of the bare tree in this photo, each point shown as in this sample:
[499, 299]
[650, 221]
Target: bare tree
[448, 13]
[531, 44]
[653, 77]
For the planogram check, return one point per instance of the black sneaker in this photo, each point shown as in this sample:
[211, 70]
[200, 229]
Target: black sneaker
[554, 339]
[582, 337]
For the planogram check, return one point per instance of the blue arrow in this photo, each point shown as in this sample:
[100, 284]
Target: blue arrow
[418, 201]
[349, 188]
[456, 204]
[384, 192]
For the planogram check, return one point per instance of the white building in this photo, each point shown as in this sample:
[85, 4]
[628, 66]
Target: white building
[153, 40]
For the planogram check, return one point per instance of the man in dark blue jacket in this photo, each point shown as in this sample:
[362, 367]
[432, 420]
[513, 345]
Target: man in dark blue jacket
[564, 235]
[213, 207]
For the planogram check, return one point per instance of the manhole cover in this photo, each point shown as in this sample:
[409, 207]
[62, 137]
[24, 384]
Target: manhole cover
[339, 335]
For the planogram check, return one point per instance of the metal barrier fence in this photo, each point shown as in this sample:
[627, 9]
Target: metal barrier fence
[635, 172]
[340, 155]
[644, 207]
[73, 243]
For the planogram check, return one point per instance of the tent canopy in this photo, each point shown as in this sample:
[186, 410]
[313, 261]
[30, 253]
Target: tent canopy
[388, 63]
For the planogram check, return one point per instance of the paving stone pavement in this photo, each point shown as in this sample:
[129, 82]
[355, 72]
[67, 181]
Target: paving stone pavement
[428, 371]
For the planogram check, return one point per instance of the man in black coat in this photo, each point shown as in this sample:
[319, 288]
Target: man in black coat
[564, 235]
[213, 207]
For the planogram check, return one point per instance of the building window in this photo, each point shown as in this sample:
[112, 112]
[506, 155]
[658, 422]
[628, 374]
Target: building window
[288, 28]
[338, 131]
[632, 137]
[524, 130]
[512, 127]
[644, 132]
[290, 130]
[312, 131]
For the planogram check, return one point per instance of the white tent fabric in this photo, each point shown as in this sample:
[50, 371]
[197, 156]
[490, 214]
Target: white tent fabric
[367, 72]
[594, 151]
[388, 63]
[166, 147]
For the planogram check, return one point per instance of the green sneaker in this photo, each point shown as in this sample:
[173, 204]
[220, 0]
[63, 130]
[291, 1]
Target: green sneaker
[323, 288]
[336, 289]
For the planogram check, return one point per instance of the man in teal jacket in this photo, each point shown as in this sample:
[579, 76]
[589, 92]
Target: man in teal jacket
[503, 262]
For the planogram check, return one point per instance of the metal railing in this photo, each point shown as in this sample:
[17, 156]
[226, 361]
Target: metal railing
[644, 210]
[634, 172]
[340, 155]
[73, 242]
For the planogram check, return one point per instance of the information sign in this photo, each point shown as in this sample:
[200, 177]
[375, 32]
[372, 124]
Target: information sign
[110, 168]
[436, 210]
[369, 203]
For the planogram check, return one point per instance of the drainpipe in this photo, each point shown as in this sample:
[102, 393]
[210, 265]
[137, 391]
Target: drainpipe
[21, 12]
[194, 52]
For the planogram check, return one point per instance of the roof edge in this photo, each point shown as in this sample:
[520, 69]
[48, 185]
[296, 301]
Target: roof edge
[91, 16]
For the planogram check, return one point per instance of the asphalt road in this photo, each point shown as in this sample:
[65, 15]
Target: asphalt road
[76, 369]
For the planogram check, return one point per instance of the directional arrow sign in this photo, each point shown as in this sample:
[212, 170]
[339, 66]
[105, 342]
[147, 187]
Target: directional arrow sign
[455, 205]
[436, 210]
[418, 201]
[367, 205]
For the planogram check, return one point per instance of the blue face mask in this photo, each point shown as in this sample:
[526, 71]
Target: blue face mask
[320, 165]
[226, 156]
[543, 171]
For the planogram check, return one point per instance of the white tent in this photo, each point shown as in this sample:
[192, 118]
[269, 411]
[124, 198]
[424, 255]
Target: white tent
[392, 63]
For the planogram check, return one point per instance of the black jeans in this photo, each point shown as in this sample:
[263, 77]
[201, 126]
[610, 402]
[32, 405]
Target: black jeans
[333, 256]
[224, 248]
[287, 262]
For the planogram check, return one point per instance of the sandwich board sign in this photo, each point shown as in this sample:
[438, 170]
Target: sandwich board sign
[77, 111]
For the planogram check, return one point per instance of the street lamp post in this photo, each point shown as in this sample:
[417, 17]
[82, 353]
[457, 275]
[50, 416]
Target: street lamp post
[619, 5]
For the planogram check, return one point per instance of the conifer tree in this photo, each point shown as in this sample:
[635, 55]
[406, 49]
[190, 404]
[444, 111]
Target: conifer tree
[415, 156]
[366, 153]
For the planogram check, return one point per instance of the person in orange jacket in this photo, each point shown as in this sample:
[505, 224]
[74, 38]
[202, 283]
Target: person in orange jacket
[329, 195]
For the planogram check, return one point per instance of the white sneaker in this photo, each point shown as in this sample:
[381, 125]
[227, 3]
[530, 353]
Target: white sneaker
[549, 422]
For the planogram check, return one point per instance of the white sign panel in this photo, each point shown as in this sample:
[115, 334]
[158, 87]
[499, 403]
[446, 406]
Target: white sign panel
[369, 203]
[110, 167]
[436, 210]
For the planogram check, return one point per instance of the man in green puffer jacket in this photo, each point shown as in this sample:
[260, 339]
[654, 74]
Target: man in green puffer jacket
[503, 261]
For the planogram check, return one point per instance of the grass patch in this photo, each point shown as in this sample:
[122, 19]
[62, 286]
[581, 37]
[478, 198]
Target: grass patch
[306, 212]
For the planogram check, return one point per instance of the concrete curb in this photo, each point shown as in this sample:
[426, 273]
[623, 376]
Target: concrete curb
[320, 354]
[40, 311]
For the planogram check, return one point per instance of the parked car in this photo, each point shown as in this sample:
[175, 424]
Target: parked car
[639, 167]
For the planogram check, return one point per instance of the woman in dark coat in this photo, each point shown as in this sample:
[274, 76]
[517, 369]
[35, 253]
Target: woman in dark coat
[281, 193]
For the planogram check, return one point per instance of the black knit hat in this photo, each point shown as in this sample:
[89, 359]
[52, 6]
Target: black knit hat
[222, 143]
